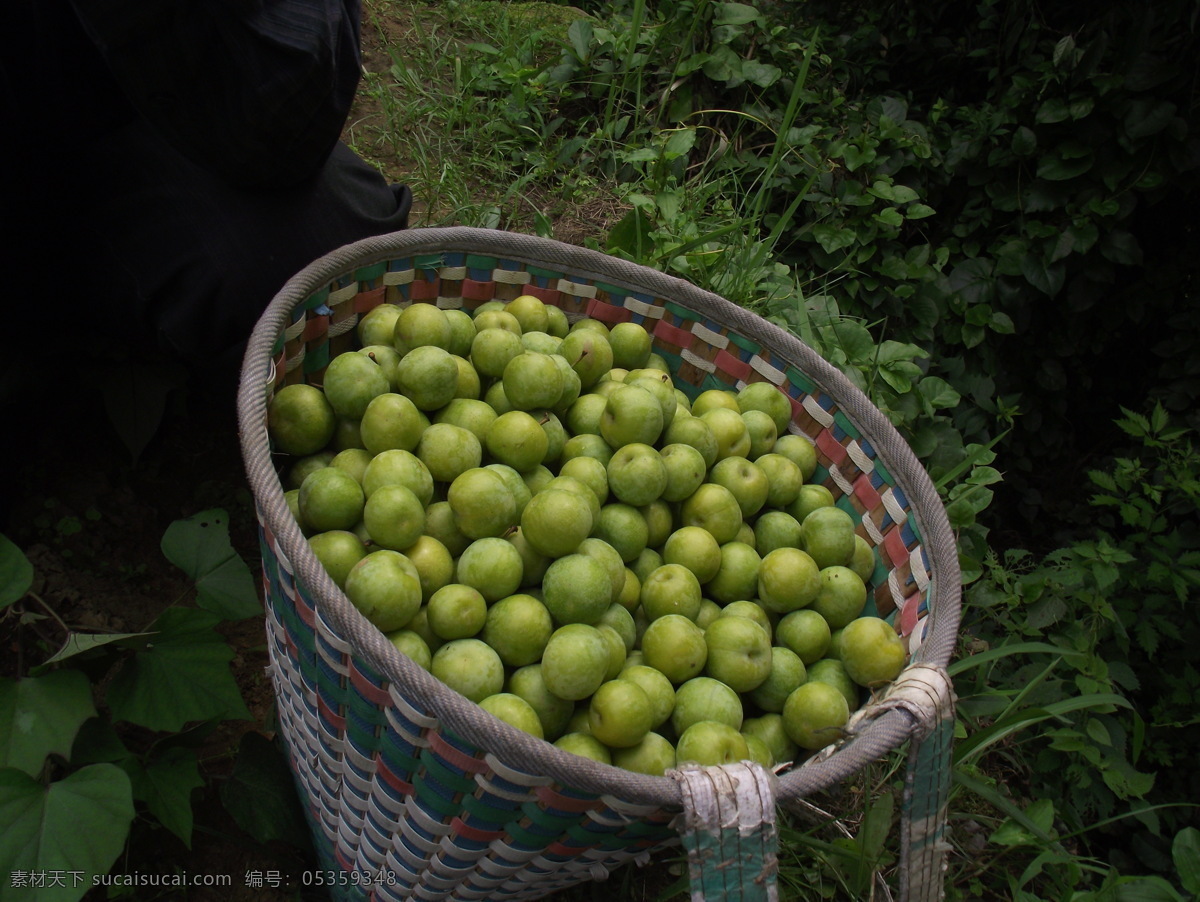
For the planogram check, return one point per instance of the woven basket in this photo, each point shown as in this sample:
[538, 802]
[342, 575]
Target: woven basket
[414, 792]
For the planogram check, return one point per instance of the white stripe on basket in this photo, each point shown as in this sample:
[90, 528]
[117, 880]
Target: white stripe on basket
[576, 289]
[893, 507]
[817, 412]
[641, 308]
[698, 362]
[708, 336]
[401, 277]
[772, 373]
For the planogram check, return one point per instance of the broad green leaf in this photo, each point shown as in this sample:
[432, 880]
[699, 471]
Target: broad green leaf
[1046, 279]
[579, 32]
[1024, 141]
[632, 235]
[1146, 889]
[16, 573]
[261, 794]
[76, 826]
[681, 141]
[165, 784]
[1053, 110]
[1148, 117]
[200, 547]
[832, 238]
[181, 677]
[1057, 168]
[1185, 852]
[1121, 246]
[735, 14]
[938, 393]
[78, 643]
[761, 74]
[40, 716]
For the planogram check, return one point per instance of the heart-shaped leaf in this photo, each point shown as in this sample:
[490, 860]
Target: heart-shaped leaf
[72, 830]
[40, 716]
[200, 547]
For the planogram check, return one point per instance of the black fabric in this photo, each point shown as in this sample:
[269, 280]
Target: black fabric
[111, 231]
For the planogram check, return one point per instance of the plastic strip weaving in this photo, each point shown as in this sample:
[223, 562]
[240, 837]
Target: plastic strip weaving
[419, 792]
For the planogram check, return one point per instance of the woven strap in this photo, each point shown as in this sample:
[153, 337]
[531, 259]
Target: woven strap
[728, 829]
[926, 692]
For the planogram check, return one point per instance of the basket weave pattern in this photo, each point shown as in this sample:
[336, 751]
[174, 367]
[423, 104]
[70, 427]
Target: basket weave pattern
[429, 792]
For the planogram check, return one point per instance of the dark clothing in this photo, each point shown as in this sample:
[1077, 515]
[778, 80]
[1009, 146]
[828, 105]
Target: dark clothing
[172, 163]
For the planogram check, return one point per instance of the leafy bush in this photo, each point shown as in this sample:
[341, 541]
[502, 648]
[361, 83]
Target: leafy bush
[104, 732]
[1109, 620]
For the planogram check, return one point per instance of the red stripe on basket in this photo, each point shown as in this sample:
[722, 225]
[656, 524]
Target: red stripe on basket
[473, 833]
[727, 363]
[337, 721]
[865, 492]
[545, 295]
[830, 447]
[893, 543]
[457, 757]
[607, 313]
[342, 860]
[422, 290]
[315, 327]
[552, 799]
[477, 291]
[376, 695]
[561, 848]
[910, 613]
[403, 787]
[307, 616]
[673, 335]
[797, 408]
[369, 300]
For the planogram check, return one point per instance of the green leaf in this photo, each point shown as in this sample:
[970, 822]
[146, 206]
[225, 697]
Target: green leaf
[200, 547]
[16, 573]
[735, 14]
[580, 35]
[1148, 117]
[1185, 852]
[1058, 168]
[81, 643]
[180, 677]
[632, 235]
[165, 784]
[1121, 246]
[919, 211]
[40, 716]
[831, 238]
[76, 825]
[1046, 279]
[762, 74]
[260, 794]
[1053, 110]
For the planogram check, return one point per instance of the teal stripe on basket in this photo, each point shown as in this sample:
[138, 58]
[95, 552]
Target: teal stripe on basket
[427, 261]
[744, 343]
[682, 312]
[800, 381]
[843, 423]
[316, 299]
[316, 358]
[370, 273]
[544, 273]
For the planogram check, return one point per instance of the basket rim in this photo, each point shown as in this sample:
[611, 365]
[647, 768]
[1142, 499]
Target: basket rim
[875, 737]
